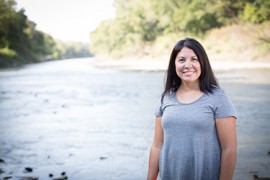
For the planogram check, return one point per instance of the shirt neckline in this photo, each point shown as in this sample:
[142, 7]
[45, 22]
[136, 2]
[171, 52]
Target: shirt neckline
[196, 100]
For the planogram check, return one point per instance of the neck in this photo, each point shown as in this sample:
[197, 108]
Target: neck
[189, 87]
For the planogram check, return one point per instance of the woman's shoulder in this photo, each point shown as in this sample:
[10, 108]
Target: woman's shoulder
[218, 95]
[168, 96]
[217, 92]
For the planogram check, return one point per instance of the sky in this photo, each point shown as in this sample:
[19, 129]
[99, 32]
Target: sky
[67, 20]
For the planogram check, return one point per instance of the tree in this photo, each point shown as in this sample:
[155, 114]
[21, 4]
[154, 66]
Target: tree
[257, 11]
[139, 23]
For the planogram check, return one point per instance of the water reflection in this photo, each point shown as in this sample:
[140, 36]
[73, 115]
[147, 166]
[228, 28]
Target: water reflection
[96, 123]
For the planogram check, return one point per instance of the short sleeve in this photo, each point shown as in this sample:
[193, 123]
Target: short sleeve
[159, 109]
[224, 106]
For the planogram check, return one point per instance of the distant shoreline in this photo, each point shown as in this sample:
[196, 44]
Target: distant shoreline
[148, 64]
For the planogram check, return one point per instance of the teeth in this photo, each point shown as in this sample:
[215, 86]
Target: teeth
[190, 72]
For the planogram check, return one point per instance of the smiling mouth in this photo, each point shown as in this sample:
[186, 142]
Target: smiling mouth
[188, 72]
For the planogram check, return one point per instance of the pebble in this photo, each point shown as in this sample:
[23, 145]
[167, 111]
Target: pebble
[28, 170]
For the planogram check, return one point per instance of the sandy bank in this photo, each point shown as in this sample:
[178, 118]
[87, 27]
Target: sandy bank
[161, 65]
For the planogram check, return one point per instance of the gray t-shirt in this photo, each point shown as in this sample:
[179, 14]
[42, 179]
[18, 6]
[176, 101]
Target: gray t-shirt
[191, 148]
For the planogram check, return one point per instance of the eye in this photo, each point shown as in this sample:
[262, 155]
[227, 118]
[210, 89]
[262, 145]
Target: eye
[181, 59]
[194, 59]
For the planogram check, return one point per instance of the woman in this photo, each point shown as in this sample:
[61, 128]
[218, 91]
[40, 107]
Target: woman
[195, 130]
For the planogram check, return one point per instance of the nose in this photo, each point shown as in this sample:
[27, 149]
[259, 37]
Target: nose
[187, 64]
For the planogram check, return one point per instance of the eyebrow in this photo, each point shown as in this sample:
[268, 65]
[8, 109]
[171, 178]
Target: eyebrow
[185, 57]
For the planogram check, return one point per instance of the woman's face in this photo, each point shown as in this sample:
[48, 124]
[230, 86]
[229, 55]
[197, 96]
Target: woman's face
[187, 66]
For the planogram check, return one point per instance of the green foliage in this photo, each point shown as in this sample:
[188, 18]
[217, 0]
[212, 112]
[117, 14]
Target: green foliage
[134, 26]
[257, 12]
[141, 23]
[7, 15]
[64, 50]
[21, 43]
[8, 52]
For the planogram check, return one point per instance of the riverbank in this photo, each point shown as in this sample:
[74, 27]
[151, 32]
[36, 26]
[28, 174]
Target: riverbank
[161, 65]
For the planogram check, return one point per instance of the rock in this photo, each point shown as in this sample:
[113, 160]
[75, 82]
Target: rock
[60, 178]
[102, 158]
[7, 177]
[260, 178]
[50, 175]
[28, 170]
[27, 178]
[2, 161]
[63, 173]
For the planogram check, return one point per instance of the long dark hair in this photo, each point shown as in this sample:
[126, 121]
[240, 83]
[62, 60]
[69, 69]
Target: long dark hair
[207, 79]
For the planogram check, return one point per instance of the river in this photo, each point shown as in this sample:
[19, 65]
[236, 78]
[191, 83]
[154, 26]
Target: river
[71, 117]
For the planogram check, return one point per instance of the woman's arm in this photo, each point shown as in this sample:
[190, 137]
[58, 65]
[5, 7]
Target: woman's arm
[226, 128]
[155, 151]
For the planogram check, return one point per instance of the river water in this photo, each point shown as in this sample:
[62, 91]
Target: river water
[94, 123]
